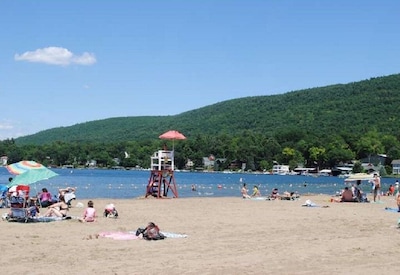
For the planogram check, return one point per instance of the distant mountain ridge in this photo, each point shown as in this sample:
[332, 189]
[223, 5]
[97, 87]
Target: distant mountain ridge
[345, 108]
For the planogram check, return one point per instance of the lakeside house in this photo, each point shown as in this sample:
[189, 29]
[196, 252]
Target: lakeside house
[396, 167]
[211, 163]
[280, 169]
[189, 164]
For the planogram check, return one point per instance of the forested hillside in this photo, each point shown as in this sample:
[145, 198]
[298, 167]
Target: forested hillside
[338, 109]
[319, 127]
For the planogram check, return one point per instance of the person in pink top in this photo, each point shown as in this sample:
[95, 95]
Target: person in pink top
[45, 198]
[90, 213]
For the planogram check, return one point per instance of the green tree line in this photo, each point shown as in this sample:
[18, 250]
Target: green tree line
[289, 146]
[322, 127]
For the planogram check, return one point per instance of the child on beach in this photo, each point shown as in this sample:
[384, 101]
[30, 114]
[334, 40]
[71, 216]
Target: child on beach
[90, 213]
[256, 192]
[110, 211]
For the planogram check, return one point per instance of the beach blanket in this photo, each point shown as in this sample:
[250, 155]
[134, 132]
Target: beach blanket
[173, 235]
[258, 198]
[117, 235]
[40, 219]
[131, 235]
[389, 209]
[309, 203]
[51, 219]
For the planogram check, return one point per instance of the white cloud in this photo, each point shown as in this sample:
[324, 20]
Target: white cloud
[5, 126]
[56, 56]
[6, 130]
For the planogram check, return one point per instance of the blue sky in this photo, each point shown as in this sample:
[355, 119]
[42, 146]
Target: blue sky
[66, 62]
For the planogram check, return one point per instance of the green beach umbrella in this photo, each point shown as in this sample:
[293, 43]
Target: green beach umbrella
[28, 172]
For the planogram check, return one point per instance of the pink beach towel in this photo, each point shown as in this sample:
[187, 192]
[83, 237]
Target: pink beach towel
[119, 235]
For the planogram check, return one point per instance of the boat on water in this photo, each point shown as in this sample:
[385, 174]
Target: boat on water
[342, 171]
[280, 169]
[303, 171]
[325, 172]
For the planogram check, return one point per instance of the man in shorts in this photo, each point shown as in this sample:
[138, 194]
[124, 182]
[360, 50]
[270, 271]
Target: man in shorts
[377, 187]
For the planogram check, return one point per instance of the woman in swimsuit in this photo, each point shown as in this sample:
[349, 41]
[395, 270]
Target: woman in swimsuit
[59, 209]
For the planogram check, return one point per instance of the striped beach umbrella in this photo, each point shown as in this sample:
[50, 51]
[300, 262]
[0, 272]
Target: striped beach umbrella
[28, 172]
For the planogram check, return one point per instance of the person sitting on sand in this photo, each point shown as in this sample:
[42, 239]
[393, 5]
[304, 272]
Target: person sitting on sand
[347, 195]
[390, 191]
[90, 213]
[45, 198]
[275, 194]
[256, 192]
[33, 209]
[110, 211]
[244, 191]
[59, 209]
[68, 194]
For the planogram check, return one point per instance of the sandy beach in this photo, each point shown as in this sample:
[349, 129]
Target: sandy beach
[224, 236]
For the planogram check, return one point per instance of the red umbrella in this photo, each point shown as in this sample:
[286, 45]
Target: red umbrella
[172, 134]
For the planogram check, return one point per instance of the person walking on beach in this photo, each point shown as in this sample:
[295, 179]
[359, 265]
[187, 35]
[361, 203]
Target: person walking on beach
[396, 188]
[377, 187]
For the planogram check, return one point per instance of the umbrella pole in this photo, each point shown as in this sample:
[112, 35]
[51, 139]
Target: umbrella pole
[38, 197]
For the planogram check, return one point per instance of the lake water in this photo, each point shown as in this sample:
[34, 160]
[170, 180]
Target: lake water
[125, 184]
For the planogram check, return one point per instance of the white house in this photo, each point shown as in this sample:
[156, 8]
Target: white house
[280, 169]
[396, 166]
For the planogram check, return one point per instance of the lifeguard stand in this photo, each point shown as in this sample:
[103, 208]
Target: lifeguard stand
[162, 178]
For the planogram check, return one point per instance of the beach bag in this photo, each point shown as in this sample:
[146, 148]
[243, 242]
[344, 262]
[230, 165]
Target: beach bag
[152, 232]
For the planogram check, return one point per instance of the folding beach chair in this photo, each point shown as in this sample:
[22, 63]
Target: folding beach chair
[3, 196]
[23, 191]
[19, 211]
